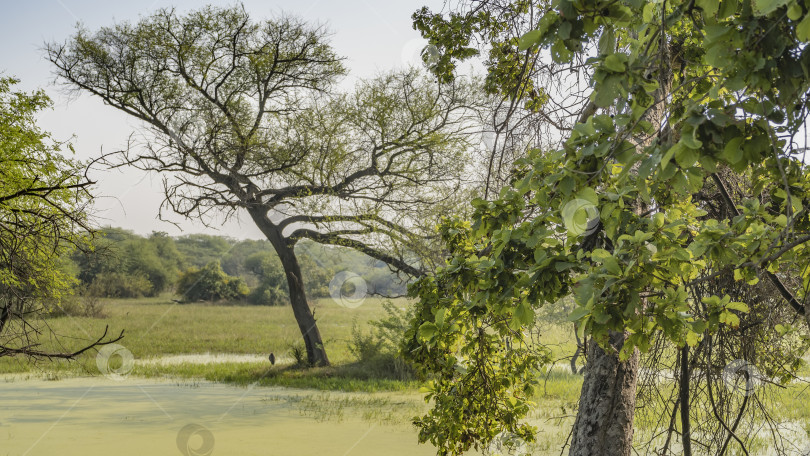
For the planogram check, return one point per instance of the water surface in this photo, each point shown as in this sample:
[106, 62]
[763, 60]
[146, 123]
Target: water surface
[100, 416]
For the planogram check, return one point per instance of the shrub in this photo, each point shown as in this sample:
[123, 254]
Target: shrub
[378, 351]
[298, 351]
[268, 294]
[210, 284]
[122, 285]
[365, 347]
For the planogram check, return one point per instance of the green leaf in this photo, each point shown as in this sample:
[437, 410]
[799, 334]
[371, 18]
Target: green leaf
[733, 152]
[794, 11]
[669, 154]
[689, 139]
[566, 185]
[647, 12]
[727, 8]
[581, 327]
[427, 331]
[709, 7]
[612, 265]
[578, 313]
[523, 313]
[589, 195]
[607, 91]
[564, 30]
[765, 7]
[439, 318]
[686, 157]
[607, 42]
[563, 266]
[529, 39]
[615, 63]
[729, 319]
[803, 29]
[740, 306]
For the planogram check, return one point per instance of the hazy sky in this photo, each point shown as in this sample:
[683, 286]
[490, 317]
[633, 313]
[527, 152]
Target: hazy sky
[374, 36]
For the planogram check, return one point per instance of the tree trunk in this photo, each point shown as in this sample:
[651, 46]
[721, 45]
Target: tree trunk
[604, 424]
[686, 428]
[316, 352]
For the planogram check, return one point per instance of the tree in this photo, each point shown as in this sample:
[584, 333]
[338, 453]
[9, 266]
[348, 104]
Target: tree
[272, 288]
[201, 249]
[675, 213]
[210, 284]
[267, 267]
[43, 201]
[242, 115]
[123, 264]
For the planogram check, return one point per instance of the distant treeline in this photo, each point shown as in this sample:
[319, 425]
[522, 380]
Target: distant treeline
[197, 267]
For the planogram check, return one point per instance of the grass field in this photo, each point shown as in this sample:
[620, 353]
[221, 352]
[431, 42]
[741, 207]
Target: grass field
[155, 328]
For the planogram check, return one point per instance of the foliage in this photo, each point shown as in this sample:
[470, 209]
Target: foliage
[272, 286]
[210, 284]
[124, 265]
[201, 249]
[41, 202]
[378, 349]
[43, 197]
[633, 217]
[84, 303]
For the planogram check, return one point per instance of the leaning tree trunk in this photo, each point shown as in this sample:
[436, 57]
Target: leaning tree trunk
[607, 403]
[316, 352]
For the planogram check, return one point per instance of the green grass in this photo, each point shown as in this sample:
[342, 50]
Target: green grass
[156, 327]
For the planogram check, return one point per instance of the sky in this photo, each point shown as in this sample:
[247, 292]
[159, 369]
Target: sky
[374, 36]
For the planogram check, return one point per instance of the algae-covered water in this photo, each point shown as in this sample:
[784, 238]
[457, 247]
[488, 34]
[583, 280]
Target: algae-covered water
[102, 416]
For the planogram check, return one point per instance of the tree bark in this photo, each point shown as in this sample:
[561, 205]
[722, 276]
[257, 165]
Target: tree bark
[686, 428]
[607, 404]
[316, 352]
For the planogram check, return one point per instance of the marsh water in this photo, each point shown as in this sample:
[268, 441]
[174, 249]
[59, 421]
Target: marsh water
[102, 416]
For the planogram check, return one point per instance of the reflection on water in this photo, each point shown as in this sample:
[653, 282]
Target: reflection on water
[99, 416]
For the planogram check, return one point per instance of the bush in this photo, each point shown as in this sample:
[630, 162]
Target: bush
[121, 285]
[84, 302]
[378, 351]
[365, 347]
[268, 294]
[210, 284]
[272, 285]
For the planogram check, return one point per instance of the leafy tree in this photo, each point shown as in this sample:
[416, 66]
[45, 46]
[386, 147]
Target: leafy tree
[43, 198]
[210, 284]
[123, 264]
[243, 116]
[675, 213]
[166, 249]
[271, 288]
[201, 249]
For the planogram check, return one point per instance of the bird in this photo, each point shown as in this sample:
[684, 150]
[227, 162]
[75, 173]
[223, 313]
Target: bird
[272, 358]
